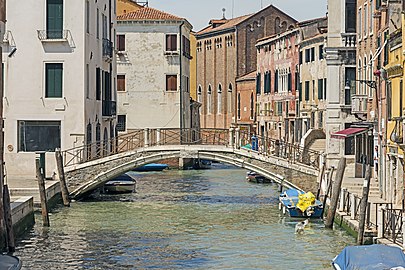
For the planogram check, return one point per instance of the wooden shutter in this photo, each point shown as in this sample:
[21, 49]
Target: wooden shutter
[121, 83]
[171, 83]
[121, 43]
[53, 80]
[171, 42]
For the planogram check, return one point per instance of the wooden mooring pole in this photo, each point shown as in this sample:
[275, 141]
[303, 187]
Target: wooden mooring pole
[8, 220]
[42, 193]
[328, 188]
[335, 193]
[320, 179]
[62, 181]
[363, 206]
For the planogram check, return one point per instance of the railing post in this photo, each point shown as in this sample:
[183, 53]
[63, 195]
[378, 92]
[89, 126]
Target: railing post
[146, 137]
[158, 136]
[231, 138]
[237, 138]
[342, 199]
[403, 232]
[353, 206]
[380, 221]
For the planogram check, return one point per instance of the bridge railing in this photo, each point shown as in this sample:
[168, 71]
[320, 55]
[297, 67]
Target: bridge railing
[234, 138]
[273, 147]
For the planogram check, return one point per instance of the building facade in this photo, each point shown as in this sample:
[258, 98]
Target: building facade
[154, 55]
[67, 98]
[312, 96]
[276, 85]
[226, 51]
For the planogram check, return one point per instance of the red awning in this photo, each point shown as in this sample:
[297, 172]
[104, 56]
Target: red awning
[348, 132]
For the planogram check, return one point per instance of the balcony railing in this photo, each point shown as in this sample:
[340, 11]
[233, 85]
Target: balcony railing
[359, 103]
[109, 108]
[107, 48]
[53, 35]
[349, 40]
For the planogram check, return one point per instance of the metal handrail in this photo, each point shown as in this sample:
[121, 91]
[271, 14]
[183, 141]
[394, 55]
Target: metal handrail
[392, 225]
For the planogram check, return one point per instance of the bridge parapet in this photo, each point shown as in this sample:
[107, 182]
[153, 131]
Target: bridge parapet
[233, 138]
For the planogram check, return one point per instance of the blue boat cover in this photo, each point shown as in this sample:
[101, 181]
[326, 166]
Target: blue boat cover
[371, 257]
[123, 177]
[293, 192]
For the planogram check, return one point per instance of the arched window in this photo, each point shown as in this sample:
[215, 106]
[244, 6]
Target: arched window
[209, 99]
[252, 110]
[219, 98]
[277, 25]
[199, 92]
[238, 105]
[229, 98]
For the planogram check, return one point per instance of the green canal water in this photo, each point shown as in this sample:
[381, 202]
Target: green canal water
[206, 219]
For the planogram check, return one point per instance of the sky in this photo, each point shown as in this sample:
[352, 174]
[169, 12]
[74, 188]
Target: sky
[200, 12]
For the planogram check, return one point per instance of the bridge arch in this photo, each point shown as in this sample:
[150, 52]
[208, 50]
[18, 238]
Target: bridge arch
[84, 178]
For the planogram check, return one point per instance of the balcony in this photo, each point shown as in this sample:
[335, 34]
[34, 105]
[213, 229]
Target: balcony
[359, 104]
[53, 35]
[109, 108]
[107, 49]
[349, 40]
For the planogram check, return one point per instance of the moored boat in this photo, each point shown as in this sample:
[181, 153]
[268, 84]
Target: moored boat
[121, 184]
[151, 167]
[298, 203]
[376, 257]
[256, 178]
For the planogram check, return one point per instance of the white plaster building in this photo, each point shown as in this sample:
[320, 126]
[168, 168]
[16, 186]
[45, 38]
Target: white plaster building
[341, 65]
[60, 80]
[153, 70]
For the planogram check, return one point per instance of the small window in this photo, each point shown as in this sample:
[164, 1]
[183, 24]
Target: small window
[98, 84]
[320, 51]
[171, 43]
[121, 43]
[121, 122]
[121, 83]
[312, 54]
[38, 136]
[53, 80]
[171, 82]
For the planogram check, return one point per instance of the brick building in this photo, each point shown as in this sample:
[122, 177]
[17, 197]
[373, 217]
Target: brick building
[226, 51]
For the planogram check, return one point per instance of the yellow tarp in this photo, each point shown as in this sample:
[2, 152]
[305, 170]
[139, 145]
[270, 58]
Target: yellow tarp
[305, 200]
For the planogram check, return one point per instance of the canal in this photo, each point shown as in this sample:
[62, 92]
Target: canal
[206, 219]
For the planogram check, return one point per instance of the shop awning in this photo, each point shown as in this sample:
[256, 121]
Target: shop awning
[348, 132]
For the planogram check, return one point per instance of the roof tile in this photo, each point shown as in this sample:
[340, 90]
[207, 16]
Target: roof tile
[147, 13]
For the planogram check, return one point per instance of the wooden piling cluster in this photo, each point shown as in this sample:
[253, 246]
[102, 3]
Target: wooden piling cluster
[335, 193]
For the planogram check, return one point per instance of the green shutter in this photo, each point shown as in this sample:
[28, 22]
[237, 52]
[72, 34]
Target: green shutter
[53, 80]
[320, 89]
[54, 19]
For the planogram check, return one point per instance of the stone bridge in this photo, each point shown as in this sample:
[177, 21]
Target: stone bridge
[90, 166]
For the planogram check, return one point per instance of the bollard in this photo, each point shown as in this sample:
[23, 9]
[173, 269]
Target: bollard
[353, 206]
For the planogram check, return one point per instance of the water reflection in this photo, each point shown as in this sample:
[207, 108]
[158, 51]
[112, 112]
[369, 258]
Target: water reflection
[210, 219]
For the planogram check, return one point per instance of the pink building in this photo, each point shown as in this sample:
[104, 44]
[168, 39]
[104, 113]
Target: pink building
[276, 84]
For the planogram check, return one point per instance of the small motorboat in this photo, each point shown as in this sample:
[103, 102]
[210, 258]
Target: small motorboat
[121, 184]
[10, 262]
[376, 257]
[200, 164]
[298, 203]
[151, 167]
[255, 177]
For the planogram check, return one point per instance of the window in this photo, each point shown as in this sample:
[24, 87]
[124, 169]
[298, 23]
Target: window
[38, 136]
[209, 97]
[239, 105]
[307, 55]
[121, 83]
[219, 99]
[359, 21]
[300, 91]
[320, 89]
[87, 81]
[53, 80]
[300, 57]
[350, 77]
[186, 47]
[87, 16]
[276, 81]
[365, 25]
[324, 88]
[258, 84]
[307, 90]
[54, 19]
[171, 82]
[312, 54]
[199, 92]
[121, 43]
[121, 122]
[289, 81]
[98, 84]
[320, 52]
[98, 24]
[230, 98]
[350, 19]
[171, 43]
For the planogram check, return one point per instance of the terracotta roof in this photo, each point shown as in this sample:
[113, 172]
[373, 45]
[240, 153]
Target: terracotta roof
[147, 13]
[229, 24]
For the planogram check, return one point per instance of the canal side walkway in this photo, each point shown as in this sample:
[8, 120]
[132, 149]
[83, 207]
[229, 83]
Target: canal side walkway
[25, 201]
